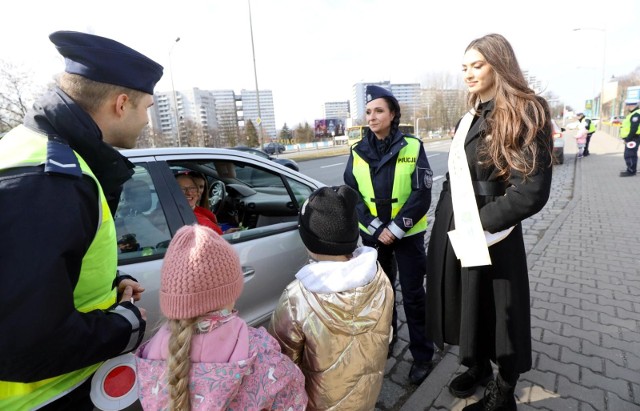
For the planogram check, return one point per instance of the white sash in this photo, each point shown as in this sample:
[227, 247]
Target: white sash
[469, 241]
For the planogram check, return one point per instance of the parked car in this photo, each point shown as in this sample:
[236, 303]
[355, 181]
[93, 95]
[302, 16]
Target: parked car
[616, 120]
[258, 195]
[558, 143]
[273, 148]
[287, 162]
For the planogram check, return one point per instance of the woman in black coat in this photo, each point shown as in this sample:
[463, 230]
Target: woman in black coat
[485, 308]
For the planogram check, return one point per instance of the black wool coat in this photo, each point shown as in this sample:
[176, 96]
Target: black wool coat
[485, 310]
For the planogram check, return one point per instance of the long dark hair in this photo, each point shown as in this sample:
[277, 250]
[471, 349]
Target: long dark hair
[519, 116]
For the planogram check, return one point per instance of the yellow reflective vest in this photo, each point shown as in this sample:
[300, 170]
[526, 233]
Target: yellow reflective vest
[24, 147]
[625, 128]
[404, 169]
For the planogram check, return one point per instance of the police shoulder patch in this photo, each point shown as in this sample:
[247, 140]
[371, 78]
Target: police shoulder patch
[428, 178]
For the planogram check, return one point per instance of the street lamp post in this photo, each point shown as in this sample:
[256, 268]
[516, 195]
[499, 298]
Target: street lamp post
[173, 88]
[604, 64]
[255, 75]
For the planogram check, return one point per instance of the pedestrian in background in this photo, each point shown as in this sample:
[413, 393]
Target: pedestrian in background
[334, 320]
[391, 172]
[64, 308]
[590, 128]
[581, 138]
[499, 174]
[630, 133]
[205, 356]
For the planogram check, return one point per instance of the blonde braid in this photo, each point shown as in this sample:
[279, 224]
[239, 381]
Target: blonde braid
[179, 363]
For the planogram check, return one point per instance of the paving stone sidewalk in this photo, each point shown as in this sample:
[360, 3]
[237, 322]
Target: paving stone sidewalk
[584, 268]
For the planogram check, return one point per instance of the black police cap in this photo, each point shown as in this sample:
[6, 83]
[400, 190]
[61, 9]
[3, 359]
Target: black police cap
[375, 92]
[106, 61]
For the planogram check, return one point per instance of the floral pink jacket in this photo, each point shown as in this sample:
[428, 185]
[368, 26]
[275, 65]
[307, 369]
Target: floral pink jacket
[264, 380]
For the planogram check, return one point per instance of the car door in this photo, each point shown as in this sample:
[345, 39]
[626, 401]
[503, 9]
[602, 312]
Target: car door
[266, 198]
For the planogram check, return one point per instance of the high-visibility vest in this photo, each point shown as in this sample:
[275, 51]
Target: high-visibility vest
[625, 128]
[592, 126]
[405, 166]
[24, 147]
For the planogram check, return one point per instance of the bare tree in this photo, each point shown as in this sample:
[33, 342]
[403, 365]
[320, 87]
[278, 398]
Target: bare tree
[304, 133]
[17, 93]
[228, 130]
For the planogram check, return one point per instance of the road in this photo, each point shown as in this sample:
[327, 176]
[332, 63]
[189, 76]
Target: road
[329, 170]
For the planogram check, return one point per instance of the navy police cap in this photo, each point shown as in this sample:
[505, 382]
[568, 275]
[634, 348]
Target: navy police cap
[106, 61]
[375, 92]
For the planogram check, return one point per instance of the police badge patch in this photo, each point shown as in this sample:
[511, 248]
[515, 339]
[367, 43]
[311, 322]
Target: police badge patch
[428, 178]
[408, 222]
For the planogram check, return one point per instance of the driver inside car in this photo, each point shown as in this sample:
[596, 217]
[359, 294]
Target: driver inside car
[194, 187]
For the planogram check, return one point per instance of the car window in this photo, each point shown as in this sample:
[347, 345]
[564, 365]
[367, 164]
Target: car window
[250, 201]
[141, 226]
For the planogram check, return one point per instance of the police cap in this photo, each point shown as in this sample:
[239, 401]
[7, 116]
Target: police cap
[106, 61]
[631, 102]
[376, 92]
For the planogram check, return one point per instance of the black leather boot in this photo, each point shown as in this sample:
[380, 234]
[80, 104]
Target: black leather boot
[498, 396]
[465, 384]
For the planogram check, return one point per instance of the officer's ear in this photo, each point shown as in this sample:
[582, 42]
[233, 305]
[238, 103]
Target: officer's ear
[122, 104]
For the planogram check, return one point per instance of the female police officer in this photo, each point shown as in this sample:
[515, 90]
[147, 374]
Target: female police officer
[392, 174]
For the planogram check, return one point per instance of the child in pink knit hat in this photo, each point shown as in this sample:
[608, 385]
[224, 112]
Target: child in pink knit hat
[206, 357]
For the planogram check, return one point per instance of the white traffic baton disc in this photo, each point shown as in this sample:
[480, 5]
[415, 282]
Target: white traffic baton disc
[114, 385]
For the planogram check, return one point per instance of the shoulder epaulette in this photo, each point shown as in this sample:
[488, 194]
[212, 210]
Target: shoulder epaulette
[61, 159]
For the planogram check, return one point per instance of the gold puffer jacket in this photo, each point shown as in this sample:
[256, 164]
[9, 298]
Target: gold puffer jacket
[334, 322]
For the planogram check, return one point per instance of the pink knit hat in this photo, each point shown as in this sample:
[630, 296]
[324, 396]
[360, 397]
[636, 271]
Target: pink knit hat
[201, 273]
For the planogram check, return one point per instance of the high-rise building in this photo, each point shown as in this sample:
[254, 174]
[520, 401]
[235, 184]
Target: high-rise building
[336, 109]
[209, 117]
[266, 118]
[408, 95]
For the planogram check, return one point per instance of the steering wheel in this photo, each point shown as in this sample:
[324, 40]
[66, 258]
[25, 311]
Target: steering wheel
[217, 196]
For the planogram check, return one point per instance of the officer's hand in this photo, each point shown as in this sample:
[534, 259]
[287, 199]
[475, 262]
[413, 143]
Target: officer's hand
[128, 297]
[137, 289]
[386, 237]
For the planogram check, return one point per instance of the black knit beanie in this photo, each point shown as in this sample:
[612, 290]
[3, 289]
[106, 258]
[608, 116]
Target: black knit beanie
[328, 222]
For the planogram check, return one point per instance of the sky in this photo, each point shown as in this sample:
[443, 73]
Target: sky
[308, 52]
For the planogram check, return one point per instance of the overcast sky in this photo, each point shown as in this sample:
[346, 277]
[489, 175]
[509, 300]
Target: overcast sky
[309, 52]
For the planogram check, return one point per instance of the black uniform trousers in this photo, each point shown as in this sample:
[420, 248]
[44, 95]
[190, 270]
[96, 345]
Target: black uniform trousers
[411, 266]
[585, 152]
[631, 154]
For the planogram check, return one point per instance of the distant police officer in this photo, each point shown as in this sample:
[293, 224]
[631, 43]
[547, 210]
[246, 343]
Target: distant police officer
[392, 174]
[63, 308]
[590, 126]
[630, 133]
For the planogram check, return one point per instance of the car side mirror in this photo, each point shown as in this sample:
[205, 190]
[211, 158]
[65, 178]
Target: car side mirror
[562, 129]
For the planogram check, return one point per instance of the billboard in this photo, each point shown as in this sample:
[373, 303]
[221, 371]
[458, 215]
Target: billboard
[633, 93]
[329, 128]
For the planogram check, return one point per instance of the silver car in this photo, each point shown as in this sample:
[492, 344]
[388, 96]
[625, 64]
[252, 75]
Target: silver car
[259, 196]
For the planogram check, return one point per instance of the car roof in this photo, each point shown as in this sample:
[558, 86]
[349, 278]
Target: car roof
[195, 151]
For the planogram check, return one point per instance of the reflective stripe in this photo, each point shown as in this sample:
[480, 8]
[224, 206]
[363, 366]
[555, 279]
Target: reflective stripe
[135, 326]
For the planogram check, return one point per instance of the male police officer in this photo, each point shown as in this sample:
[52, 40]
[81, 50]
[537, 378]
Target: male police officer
[630, 133]
[391, 172]
[590, 126]
[63, 308]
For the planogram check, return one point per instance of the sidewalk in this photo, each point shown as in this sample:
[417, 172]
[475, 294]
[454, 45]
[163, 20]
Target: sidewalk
[584, 269]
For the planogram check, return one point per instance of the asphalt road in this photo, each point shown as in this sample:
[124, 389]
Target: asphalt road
[329, 170]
